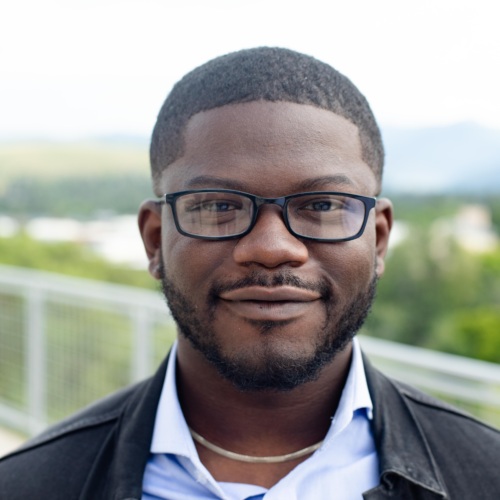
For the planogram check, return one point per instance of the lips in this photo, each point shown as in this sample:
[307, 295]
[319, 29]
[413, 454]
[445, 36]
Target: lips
[281, 303]
[268, 294]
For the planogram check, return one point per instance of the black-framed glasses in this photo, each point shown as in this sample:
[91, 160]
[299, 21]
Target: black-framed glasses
[222, 214]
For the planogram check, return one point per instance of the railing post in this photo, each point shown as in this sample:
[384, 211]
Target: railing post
[141, 356]
[36, 369]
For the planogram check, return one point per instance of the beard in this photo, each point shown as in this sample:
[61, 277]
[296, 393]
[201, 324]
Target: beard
[275, 370]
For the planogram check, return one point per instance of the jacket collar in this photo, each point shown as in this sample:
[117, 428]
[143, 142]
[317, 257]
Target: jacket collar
[404, 454]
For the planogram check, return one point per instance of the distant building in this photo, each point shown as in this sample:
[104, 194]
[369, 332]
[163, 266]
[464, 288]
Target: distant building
[471, 228]
[116, 238]
[8, 226]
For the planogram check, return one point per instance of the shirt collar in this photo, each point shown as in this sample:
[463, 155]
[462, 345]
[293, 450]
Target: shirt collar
[169, 416]
[355, 396]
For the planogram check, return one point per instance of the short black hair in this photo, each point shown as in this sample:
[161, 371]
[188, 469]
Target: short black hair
[264, 73]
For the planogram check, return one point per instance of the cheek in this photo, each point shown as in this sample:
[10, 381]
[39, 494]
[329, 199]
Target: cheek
[191, 262]
[350, 265]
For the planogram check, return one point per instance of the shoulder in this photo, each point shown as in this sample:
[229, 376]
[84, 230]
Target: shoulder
[434, 416]
[93, 454]
[92, 418]
[61, 457]
[430, 443]
[448, 424]
[389, 393]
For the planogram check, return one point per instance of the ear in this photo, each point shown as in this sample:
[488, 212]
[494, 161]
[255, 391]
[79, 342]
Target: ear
[150, 228]
[383, 225]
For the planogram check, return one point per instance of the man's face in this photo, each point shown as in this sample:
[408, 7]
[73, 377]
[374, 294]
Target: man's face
[269, 309]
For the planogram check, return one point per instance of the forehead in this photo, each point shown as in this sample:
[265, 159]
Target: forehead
[270, 149]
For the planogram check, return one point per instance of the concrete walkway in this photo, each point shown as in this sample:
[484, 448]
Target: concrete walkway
[9, 441]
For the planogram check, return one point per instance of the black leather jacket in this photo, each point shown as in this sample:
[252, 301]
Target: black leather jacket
[427, 449]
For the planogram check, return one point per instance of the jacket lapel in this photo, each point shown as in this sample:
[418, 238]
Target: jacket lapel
[406, 463]
[118, 472]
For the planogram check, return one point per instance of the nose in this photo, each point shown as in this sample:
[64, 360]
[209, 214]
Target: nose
[270, 244]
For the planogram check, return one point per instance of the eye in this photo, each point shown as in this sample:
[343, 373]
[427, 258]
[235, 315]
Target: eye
[214, 205]
[218, 206]
[322, 205]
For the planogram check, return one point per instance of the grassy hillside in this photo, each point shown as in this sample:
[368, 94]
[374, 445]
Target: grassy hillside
[75, 179]
[49, 160]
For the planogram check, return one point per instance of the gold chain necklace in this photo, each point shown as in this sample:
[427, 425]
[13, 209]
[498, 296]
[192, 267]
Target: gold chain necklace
[254, 460]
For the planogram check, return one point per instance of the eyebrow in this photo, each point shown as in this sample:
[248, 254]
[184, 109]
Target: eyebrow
[317, 183]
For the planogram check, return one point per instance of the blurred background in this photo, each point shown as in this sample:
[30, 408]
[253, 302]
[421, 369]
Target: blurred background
[81, 83]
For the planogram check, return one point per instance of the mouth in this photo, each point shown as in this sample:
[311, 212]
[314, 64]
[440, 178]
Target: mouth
[281, 303]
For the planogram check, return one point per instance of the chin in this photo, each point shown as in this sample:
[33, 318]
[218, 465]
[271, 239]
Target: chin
[268, 355]
[273, 365]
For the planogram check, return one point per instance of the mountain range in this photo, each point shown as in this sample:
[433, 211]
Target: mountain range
[464, 157]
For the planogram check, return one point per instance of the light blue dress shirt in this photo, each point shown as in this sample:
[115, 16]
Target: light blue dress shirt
[344, 467]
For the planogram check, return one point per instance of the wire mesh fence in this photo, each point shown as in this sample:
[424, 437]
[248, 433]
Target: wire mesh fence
[65, 342]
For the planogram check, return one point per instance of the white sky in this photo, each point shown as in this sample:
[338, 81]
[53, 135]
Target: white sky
[72, 68]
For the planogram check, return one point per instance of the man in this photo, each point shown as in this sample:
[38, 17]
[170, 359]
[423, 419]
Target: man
[268, 240]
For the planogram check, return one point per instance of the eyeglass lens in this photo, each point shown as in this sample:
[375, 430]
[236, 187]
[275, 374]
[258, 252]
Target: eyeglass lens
[321, 216]
[214, 213]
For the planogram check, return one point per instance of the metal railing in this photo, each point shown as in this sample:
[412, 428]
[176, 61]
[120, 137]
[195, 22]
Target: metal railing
[65, 342]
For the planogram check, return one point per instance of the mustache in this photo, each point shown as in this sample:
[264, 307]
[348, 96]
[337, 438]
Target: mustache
[281, 278]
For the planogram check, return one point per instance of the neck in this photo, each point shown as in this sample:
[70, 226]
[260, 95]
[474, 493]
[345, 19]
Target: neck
[261, 423]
